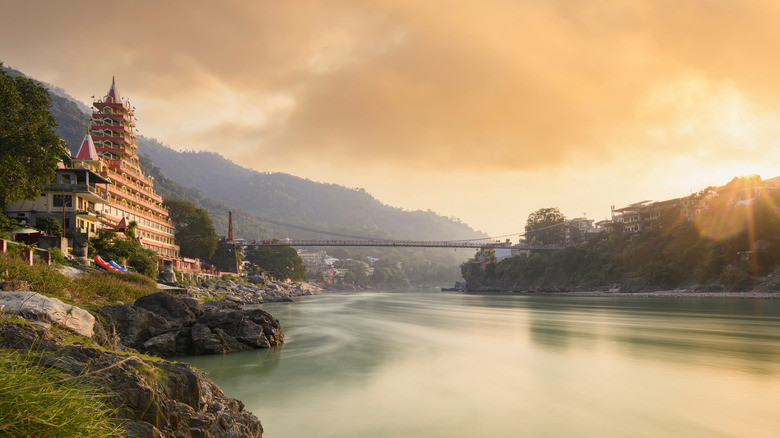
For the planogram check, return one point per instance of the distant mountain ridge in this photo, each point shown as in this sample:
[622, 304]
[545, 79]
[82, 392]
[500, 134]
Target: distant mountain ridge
[211, 181]
[284, 197]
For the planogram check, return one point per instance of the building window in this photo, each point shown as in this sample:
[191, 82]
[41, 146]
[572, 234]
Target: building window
[58, 201]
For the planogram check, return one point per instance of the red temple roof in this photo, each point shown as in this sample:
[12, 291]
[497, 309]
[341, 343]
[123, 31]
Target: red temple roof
[113, 93]
[87, 150]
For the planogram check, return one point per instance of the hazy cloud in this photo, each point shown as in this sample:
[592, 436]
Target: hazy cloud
[453, 87]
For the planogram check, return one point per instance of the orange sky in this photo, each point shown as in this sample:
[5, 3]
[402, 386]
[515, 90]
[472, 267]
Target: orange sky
[482, 110]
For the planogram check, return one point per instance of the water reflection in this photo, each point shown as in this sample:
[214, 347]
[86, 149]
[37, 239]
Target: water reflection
[432, 364]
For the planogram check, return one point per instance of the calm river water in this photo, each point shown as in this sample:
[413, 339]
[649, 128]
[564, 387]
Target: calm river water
[432, 364]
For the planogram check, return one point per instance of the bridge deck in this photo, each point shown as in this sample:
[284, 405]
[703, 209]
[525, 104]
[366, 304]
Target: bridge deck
[390, 243]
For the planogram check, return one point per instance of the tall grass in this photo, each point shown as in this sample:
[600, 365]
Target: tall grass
[96, 287]
[38, 402]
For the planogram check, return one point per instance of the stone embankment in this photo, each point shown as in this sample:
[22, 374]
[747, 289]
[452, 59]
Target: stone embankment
[153, 398]
[253, 291]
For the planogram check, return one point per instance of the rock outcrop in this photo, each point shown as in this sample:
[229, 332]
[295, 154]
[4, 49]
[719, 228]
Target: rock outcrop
[167, 326]
[36, 307]
[257, 290]
[153, 398]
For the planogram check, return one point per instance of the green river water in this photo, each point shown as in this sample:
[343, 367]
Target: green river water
[432, 364]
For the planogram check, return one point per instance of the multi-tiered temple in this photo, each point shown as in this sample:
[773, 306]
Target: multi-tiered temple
[111, 150]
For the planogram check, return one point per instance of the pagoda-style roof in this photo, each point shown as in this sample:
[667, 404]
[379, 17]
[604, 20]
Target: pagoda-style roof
[87, 151]
[113, 93]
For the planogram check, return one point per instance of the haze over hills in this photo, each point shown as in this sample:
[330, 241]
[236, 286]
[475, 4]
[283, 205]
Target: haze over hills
[212, 182]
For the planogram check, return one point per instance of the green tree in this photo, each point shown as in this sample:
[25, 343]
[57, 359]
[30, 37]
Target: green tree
[543, 227]
[29, 147]
[130, 230]
[280, 262]
[357, 272]
[6, 225]
[194, 230]
[49, 225]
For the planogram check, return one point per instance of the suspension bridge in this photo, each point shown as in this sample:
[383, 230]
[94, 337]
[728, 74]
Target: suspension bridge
[358, 241]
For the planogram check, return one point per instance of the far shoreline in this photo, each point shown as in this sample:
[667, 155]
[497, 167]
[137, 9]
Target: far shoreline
[676, 293]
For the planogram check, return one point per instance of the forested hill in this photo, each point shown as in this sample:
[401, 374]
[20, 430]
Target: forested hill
[212, 182]
[299, 201]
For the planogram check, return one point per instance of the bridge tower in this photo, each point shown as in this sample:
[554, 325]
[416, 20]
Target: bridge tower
[230, 226]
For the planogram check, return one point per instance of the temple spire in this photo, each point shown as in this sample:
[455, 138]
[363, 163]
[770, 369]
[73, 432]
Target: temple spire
[87, 151]
[113, 93]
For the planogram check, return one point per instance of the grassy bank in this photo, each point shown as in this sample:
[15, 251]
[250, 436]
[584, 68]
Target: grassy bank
[95, 288]
[38, 402]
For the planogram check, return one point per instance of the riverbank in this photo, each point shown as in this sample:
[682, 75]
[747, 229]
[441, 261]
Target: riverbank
[252, 290]
[677, 293]
[142, 396]
[61, 325]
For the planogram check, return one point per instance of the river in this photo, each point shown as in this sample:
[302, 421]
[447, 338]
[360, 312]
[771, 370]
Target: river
[433, 364]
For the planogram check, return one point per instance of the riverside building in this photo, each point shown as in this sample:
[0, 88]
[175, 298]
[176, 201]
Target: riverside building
[110, 150]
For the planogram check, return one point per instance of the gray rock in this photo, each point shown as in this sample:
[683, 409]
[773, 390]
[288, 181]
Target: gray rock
[136, 325]
[34, 306]
[163, 345]
[171, 308]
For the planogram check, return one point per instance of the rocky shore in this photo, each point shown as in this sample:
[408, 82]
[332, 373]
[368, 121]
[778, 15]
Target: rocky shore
[152, 398]
[107, 348]
[166, 326]
[254, 290]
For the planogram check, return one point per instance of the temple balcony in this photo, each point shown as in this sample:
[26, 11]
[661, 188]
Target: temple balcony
[134, 199]
[115, 117]
[120, 128]
[136, 188]
[113, 139]
[99, 104]
[122, 165]
[117, 150]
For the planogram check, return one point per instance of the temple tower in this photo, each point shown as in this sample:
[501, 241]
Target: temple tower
[131, 195]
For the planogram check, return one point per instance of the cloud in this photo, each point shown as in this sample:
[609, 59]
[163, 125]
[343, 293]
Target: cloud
[526, 87]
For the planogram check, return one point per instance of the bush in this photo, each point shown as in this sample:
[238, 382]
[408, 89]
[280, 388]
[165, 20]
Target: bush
[38, 402]
[49, 225]
[57, 256]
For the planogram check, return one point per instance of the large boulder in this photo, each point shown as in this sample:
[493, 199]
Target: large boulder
[214, 341]
[136, 325]
[165, 326]
[34, 306]
[169, 307]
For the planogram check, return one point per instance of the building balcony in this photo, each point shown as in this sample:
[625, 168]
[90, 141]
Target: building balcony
[99, 104]
[113, 139]
[114, 116]
[157, 209]
[117, 149]
[133, 171]
[88, 192]
[139, 191]
[120, 128]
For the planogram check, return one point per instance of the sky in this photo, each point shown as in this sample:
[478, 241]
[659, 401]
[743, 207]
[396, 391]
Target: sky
[480, 110]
